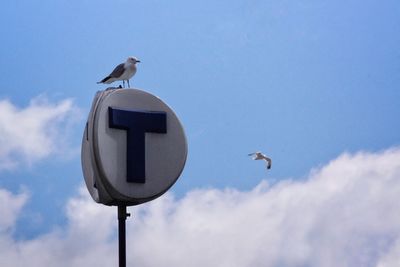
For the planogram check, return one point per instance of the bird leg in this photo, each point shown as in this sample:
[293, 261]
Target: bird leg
[128, 84]
[123, 81]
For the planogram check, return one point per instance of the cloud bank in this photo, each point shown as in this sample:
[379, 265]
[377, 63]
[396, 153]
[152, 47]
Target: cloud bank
[346, 213]
[34, 132]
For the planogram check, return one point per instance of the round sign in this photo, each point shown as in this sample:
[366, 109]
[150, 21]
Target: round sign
[134, 147]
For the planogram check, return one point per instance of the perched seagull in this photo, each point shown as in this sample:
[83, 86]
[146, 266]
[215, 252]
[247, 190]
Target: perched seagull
[123, 72]
[259, 155]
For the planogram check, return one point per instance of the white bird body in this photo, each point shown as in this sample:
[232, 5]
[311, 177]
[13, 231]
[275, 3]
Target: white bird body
[260, 156]
[123, 72]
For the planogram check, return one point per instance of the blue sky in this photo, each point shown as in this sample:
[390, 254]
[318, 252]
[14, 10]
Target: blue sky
[303, 81]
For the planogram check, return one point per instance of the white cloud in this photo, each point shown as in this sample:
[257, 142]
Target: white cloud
[34, 132]
[346, 213]
[10, 206]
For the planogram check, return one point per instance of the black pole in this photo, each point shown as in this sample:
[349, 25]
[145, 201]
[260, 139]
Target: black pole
[122, 215]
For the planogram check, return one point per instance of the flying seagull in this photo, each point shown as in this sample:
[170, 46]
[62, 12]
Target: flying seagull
[123, 72]
[258, 155]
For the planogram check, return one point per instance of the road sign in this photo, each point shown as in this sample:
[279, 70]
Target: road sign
[133, 149]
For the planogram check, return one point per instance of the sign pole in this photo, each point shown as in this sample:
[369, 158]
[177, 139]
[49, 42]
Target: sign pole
[122, 215]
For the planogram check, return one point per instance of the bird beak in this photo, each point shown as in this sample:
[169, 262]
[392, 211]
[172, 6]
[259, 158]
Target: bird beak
[137, 61]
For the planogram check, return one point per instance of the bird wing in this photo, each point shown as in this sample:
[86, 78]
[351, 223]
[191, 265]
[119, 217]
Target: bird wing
[118, 71]
[269, 162]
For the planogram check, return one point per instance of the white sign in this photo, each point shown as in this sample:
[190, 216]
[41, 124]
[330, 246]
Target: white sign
[134, 147]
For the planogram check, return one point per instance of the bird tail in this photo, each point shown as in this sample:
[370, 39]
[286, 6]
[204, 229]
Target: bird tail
[104, 80]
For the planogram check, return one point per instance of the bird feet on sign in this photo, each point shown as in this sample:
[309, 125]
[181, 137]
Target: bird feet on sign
[113, 88]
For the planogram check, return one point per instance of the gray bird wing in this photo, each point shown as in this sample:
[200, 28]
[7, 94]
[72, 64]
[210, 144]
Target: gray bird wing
[117, 72]
[269, 162]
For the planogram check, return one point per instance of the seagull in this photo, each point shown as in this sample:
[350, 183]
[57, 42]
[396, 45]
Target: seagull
[123, 72]
[258, 155]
